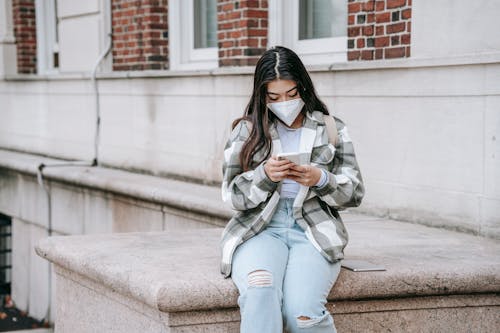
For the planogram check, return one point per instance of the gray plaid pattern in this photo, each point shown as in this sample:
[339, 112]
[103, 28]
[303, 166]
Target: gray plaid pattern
[254, 196]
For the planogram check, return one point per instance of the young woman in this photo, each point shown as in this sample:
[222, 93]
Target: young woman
[284, 244]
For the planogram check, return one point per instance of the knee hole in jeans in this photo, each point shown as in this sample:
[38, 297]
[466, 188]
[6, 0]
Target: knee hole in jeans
[260, 278]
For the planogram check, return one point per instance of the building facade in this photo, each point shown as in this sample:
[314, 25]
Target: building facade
[417, 82]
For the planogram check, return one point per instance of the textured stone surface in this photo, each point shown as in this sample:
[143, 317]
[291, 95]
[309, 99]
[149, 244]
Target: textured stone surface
[39, 298]
[431, 320]
[169, 282]
[175, 194]
[87, 306]
[21, 252]
[163, 269]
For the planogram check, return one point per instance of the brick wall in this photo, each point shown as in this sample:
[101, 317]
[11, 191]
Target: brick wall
[23, 14]
[140, 34]
[242, 31]
[379, 29]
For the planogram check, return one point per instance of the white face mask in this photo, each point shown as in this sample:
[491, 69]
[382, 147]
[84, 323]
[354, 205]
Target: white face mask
[287, 111]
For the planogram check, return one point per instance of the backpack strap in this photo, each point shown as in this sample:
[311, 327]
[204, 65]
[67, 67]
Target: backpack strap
[331, 129]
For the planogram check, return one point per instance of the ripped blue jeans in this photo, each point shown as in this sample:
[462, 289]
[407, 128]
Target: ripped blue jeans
[282, 279]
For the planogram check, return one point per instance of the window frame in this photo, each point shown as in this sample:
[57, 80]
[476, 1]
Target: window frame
[286, 32]
[46, 36]
[183, 55]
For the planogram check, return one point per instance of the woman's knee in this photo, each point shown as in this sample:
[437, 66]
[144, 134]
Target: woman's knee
[260, 289]
[301, 317]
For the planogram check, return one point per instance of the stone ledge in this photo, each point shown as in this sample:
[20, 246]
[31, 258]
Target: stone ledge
[201, 199]
[179, 271]
[483, 58]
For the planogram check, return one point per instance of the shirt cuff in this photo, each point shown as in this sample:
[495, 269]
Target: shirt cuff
[323, 179]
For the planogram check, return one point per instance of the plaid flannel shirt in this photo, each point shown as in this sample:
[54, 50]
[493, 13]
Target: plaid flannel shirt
[254, 196]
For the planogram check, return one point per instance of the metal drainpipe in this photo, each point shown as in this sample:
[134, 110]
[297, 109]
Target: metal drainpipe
[95, 160]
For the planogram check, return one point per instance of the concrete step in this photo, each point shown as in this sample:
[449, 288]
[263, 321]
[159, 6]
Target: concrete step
[175, 198]
[436, 281]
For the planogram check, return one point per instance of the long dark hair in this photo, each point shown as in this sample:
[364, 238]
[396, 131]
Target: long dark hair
[276, 63]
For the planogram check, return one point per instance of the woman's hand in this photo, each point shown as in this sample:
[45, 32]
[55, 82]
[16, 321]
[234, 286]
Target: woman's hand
[277, 170]
[306, 175]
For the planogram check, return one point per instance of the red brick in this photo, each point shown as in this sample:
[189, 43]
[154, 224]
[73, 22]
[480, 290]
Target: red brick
[383, 17]
[406, 14]
[368, 30]
[234, 15]
[253, 42]
[256, 13]
[353, 55]
[408, 53]
[350, 19]
[367, 55]
[395, 3]
[370, 18]
[257, 32]
[235, 34]
[405, 39]
[380, 6]
[353, 31]
[227, 25]
[368, 6]
[380, 30]
[140, 29]
[408, 27]
[381, 41]
[227, 44]
[379, 53]
[360, 43]
[250, 23]
[243, 42]
[395, 52]
[24, 18]
[354, 7]
[396, 27]
[227, 7]
[236, 52]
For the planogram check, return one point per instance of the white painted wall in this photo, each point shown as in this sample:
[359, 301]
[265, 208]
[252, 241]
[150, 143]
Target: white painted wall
[426, 131]
[449, 28]
[426, 137]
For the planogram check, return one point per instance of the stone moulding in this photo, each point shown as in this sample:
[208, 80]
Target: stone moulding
[170, 282]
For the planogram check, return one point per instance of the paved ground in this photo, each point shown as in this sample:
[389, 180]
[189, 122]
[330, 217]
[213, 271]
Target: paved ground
[36, 330]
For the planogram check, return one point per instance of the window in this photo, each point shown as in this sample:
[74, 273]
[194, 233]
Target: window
[315, 29]
[205, 24]
[47, 36]
[193, 34]
[71, 35]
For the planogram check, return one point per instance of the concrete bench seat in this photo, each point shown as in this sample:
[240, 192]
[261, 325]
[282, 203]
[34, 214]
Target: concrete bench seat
[436, 281]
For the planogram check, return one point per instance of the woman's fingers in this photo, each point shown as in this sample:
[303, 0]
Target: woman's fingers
[304, 174]
[276, 169]
[284, 167]
[300, 168]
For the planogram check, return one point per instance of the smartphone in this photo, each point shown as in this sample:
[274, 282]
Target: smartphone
[361, 266]
[292, 157]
